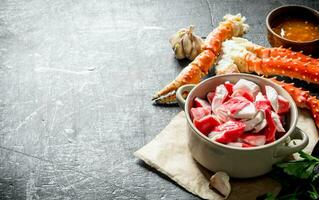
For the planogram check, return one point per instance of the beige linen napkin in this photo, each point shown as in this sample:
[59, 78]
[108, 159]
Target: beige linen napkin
[168, 153]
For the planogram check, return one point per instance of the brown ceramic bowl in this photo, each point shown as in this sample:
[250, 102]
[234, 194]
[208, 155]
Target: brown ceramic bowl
[296, 11]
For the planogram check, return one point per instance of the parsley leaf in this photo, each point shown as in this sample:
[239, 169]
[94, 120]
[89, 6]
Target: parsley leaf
[313, 194]
[299, 179]
[308, 156]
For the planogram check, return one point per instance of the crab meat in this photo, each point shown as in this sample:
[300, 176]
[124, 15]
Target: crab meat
[229, 86]
[260, 97]
[206, 124]
[270, 130]
[230, 131]
[201, 102]
[255, 140]
[240, 144]
[272, 96]
[261, 102]
[276, 118]
[243, 93]
[260, 126]
[231, 107]
[248, 112]
[248, 86]
[263, 105]
[250, 124]
[222, 115]
[283, 105]
[235, 144]
[220, 95]
[240, 115]
[210, 96]
[200, 112]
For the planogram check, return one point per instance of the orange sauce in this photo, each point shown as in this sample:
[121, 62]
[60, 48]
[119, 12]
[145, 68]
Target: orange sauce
[295, 29]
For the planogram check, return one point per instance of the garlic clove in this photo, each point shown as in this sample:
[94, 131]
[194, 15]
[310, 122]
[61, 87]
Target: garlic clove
[220, 183]
[187, 45]
[178, 49]
[193, 53]
[182, 32]
[198, 42]
[177, 37]
[174, 39]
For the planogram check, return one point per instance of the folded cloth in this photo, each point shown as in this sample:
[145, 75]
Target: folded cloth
[168, 153]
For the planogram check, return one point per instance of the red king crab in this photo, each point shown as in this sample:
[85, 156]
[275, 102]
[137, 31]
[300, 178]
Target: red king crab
[240, 55]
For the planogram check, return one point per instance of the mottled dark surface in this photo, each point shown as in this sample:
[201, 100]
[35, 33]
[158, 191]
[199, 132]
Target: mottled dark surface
[76, 78]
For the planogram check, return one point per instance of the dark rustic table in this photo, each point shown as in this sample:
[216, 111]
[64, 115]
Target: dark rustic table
[76, 78]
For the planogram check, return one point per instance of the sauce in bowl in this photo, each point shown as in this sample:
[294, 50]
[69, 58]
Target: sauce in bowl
[296, 29]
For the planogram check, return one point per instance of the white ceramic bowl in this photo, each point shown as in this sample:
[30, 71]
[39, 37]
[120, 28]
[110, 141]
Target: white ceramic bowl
[239, 162]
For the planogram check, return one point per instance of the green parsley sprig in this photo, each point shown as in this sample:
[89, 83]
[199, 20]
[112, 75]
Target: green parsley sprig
[299, 179]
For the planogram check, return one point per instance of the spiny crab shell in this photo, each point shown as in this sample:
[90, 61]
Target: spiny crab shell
[240, 55]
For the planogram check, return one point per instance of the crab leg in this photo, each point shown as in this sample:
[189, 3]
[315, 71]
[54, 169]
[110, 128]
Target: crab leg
[250, 63]
[285, 53]
[251, 58]
[313, 104]
[302, 98]
[264, 52]
[196, 70]
[193, 73]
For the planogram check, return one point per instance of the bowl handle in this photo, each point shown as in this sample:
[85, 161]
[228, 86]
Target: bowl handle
[179, 94]
[299, 140]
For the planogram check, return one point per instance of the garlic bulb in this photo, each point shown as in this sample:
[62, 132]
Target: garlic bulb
[186, 44]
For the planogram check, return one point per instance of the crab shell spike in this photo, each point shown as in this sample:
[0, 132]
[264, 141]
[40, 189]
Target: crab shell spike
[166, 100]
[263, 52]
[299, 96]
[213, 40]
[302, 98]
[313, 103]
[268, 66]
